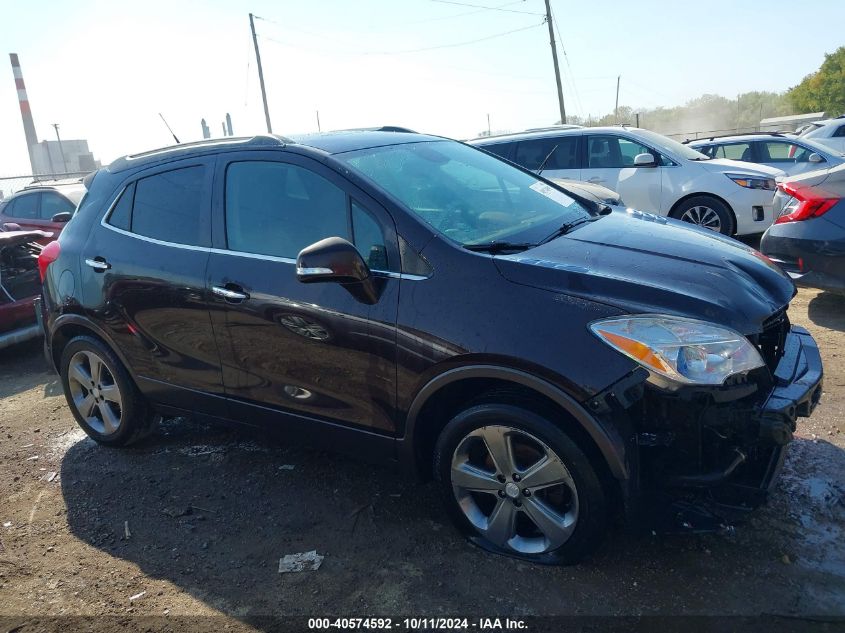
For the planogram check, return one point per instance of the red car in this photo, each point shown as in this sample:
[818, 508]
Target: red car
[41, 207]
[20, 284]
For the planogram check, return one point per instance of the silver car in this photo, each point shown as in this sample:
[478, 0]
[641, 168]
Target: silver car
[787, 153]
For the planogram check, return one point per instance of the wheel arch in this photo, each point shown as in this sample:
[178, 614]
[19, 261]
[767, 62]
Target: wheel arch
[67, 327]
[446, 393]
[705, 194]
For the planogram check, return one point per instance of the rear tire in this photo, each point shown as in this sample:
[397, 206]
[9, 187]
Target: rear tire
[706, 212]
[102, 396]
[550, 509]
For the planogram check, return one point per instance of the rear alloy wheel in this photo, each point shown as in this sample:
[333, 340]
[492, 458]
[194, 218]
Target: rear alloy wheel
[706, 212]
[96, 395]
[518, 485]
[101, 395]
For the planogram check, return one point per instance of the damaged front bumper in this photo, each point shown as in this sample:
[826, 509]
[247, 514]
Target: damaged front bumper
[701, 458]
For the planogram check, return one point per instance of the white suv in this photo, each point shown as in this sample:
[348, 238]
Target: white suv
[651, 172]
[830, 132]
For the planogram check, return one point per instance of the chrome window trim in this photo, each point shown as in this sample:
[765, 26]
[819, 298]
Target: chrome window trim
[224, 251]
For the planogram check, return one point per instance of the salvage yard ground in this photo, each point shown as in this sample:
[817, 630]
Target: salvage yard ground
[195, 519]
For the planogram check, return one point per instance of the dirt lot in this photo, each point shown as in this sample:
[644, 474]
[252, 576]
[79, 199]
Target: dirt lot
[211, 510]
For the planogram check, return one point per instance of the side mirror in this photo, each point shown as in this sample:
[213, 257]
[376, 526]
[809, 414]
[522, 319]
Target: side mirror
[815, 158]
[331, 259]
[645, 160]
[62, 217]
[336, 260]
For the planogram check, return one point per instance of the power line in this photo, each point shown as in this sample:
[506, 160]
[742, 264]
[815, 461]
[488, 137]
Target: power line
[419, 50]
[465, 13]
[480, 6]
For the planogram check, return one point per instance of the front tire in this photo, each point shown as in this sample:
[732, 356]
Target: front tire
[101, 395]
[706, 212]
[518, 485]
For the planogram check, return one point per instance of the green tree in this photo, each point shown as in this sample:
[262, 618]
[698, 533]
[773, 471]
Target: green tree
[824, 90]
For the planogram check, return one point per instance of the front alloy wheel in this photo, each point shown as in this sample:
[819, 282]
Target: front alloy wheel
[704, 217]
[514, 490]
[517, 484]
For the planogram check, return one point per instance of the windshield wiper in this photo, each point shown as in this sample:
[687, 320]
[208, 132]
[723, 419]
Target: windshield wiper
[499, 247]
[566, 227]
[545, 160]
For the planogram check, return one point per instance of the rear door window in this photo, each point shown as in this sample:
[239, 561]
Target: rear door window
[168, 206]
[503, 150]
[558, 153]
[24, 207]
[735, 151]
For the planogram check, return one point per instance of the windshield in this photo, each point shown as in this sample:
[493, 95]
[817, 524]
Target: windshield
[466, 194]
[667, 144]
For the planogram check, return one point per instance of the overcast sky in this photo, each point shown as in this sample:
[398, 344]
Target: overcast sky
[104, 69]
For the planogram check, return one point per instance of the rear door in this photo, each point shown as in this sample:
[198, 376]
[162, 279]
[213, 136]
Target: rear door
[143, 279]
[295, 353]
[609, 161]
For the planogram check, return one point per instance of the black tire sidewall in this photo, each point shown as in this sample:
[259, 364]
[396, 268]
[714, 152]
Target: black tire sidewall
[133, 409]
[592, 503]
[721, 209]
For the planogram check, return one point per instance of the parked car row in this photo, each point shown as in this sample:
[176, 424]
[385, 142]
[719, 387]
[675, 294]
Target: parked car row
[651, 172]
[549, 358]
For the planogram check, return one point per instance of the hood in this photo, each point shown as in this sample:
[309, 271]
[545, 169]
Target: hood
[727, 166]
[642, 263]
[590, 190]
[13, 238]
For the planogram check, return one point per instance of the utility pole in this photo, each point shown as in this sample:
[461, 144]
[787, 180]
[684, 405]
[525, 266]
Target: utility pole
[260, 74]
[488, 124]
[616, 109]
[638, 119]
[61, 151]
[318, 122]
[554, 58]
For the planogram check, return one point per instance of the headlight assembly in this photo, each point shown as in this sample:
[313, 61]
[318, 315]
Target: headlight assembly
[753, 182]
[681, 350]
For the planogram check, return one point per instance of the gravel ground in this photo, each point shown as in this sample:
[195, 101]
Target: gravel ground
[194, 520]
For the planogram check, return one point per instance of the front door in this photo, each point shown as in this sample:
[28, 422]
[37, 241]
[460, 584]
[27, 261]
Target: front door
[609, 162]
[306, 350]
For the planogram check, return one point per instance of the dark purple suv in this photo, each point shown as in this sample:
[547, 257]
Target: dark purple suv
[409, 299]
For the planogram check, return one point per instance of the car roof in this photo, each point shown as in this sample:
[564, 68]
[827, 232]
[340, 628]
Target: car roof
[549, 133]
[72, 189]
[325, 143]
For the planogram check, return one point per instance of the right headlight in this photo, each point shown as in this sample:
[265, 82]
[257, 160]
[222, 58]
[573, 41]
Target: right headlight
[682, 350]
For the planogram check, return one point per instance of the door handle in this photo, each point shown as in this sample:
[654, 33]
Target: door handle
[98, 264]
[595, 179]
[234, 296]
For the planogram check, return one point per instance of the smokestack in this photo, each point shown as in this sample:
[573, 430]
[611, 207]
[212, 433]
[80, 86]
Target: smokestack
[26, 113]
[229, 124]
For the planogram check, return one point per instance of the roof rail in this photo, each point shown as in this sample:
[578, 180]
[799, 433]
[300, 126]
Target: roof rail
[380, 128]
[718, 136]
